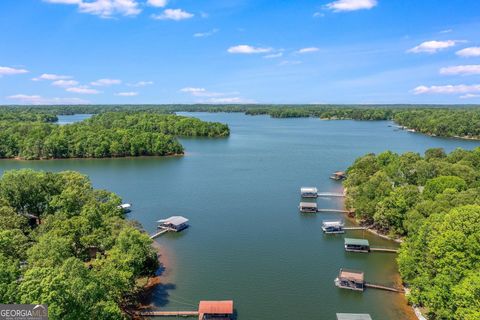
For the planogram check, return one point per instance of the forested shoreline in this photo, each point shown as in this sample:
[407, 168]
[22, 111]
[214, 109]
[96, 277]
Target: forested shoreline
[459, 121]
[109, 134]
[67, 245]
[433, 202]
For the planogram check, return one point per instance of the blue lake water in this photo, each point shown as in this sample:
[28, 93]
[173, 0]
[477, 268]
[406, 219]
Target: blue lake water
[247, 241]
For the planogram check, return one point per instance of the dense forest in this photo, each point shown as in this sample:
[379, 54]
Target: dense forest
[434, 203]
[84, 259]
[109, 134]
[441, 120]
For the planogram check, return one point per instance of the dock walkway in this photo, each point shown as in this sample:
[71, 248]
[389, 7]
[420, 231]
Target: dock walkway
[384, 250]
[159, 233]
[377, 286]
[332, 210]
[330, 194]
[167, 313]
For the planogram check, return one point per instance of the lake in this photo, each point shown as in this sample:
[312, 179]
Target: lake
[247, 241]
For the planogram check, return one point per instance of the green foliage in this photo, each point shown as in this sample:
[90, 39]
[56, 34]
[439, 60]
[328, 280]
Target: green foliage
[437, 261]
[111, 134]
[438, 185]
[83, 260]
[435, 203]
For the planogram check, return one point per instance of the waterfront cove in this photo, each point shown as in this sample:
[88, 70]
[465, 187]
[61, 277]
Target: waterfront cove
[247, 241]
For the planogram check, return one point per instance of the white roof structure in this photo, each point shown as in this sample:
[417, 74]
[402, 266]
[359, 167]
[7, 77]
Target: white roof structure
[125, 206]
[175, 220]
[308, 204]
[332, 223]
[308, 190]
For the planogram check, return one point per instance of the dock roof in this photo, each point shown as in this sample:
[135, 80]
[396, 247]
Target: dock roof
[353, 316]
[308, 204]
[357, 276]
[357, 242]
[175, 220]
[216, 307]
[332, 223]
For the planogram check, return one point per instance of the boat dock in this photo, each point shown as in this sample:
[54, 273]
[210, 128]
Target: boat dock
[167, 314]
[312, 192]
[206, 310]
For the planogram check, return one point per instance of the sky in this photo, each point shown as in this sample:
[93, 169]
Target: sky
[239, 51]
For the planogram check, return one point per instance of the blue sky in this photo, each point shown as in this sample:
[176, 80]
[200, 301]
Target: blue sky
[239, 51]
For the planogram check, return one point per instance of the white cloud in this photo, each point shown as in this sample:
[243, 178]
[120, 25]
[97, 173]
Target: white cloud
[157, 3]
[7, 71]
[246, 49]
[140, 84]
[274, 55]
[433, 46]
[51, 77]
[104, 8]
[127, 94]
[318, 14]
[308, 50]
[173, 14]
[83, 90]
[446, 31]
[109, 8]
[469, 52]
[228, 100]
[105, 82]
[64, 83]
[214, 97]
[463, 70]
[351, 5]
[447, 89]
[205, 34]
[201, 92]
[470, 96]
[39, 100]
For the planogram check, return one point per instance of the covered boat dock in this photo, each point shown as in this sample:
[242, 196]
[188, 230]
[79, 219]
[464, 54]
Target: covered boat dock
[175, 223]
[308, 207]
[335, 226]
[218, 310]
[350, 279]
[309, 192]
[357, 245]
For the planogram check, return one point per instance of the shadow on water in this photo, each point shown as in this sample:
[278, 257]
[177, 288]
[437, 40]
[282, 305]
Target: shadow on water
[161, 294]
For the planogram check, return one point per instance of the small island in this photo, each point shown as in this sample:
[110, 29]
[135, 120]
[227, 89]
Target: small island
[109, 134]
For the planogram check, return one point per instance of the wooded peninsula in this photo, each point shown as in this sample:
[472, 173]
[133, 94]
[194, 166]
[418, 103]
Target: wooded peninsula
[433, 202]
[68, 245]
